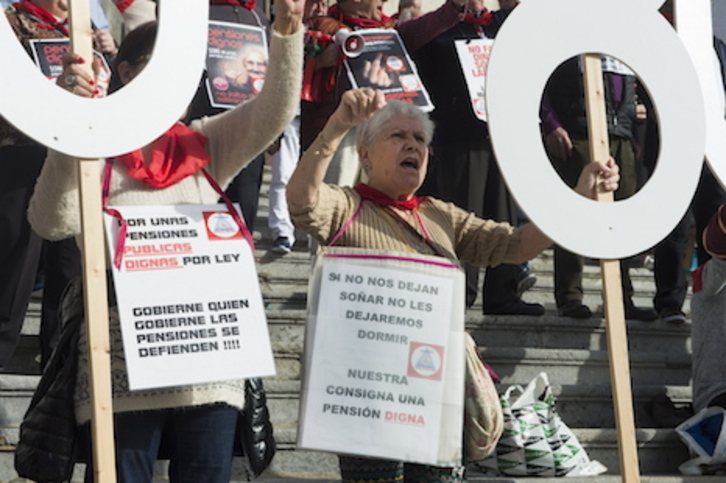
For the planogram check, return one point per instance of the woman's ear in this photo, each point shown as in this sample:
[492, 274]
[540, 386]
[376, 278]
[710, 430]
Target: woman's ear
[125, 72]
[363, 157]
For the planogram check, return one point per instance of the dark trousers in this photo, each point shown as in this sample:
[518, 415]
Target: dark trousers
[202, 444]
[569, 266]
[245, 190]
[61, 264]
[20, 247]
[467, 174]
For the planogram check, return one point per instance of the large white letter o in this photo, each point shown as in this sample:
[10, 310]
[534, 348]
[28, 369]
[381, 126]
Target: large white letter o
[127, 120]
[534, 40]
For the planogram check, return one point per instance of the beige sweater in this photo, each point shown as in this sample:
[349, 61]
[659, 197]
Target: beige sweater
[454, 233]
[235, 138]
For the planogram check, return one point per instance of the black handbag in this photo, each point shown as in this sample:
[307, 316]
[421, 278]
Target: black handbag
[46, 450]
[255, 428]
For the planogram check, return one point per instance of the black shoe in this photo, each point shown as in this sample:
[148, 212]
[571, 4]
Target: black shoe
[520, 307]
[640, 313]
[576, 310]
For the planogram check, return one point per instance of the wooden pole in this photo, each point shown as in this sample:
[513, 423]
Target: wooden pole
[611, 280]
[94, 275]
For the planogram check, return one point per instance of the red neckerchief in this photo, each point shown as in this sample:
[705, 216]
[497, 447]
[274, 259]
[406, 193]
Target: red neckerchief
[42, 17]
[483, 19]
[248, 5]
[122, 5]
[176, 154]
[363, 23]
[371, 194]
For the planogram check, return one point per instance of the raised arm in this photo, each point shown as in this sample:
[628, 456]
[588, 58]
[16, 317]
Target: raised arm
[356, 106]
[238, 135]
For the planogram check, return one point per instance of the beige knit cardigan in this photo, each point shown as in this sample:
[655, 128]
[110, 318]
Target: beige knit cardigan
[454, 233]
[235, 138]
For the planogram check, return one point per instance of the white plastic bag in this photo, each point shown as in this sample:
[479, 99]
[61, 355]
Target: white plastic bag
[704, 435]
[535, 441]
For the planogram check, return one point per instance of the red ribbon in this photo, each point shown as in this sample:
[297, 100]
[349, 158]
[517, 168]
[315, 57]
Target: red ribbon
[371, 194]
[176, 154]
[122, 5]
[42, 17]
[483, 19]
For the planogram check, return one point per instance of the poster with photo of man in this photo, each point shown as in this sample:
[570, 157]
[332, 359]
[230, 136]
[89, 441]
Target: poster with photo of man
[380, 61]
[237, 59]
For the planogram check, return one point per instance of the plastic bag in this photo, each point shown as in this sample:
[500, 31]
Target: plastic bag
[704, 435]
[536, 442]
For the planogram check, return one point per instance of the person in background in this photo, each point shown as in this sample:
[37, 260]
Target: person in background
[564, 125]
[245, 188]
[708, 314]
[408, 9]
[385, 214]
[464, 170]
[204, 416]
[327, 67]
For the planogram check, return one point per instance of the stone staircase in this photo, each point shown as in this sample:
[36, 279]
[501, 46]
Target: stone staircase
[572, 352]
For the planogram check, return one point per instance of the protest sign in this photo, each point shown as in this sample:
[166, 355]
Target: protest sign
[474, 58]
[384, 357]
[48, 55]
[236, 63]
[383, 63]
[171, 337]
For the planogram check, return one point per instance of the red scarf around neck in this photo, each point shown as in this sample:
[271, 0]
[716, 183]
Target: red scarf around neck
[371, 194]
[483, 19]
[362, 23]
[43, 17]
[248, 5]
[176, 154]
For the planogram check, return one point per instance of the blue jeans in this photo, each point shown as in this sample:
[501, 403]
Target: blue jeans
[201, 449]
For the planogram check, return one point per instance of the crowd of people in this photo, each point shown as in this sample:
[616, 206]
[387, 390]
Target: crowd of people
[347, 167]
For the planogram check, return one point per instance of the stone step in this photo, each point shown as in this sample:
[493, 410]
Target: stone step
[660, 452]
[287, 327]
[574, 366]
[567, 333]
[580, 406]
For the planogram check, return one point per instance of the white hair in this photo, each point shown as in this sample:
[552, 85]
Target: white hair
[372, 128]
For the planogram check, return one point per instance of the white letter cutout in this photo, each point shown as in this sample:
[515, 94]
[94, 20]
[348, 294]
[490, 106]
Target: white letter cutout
[124, 121]
[694, 21]
[524, 56]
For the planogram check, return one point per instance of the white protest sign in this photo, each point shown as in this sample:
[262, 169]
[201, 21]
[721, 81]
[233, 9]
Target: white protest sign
[167, 83]
[188, 297]
[384, 360]
[474, 58]
[598, 230]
